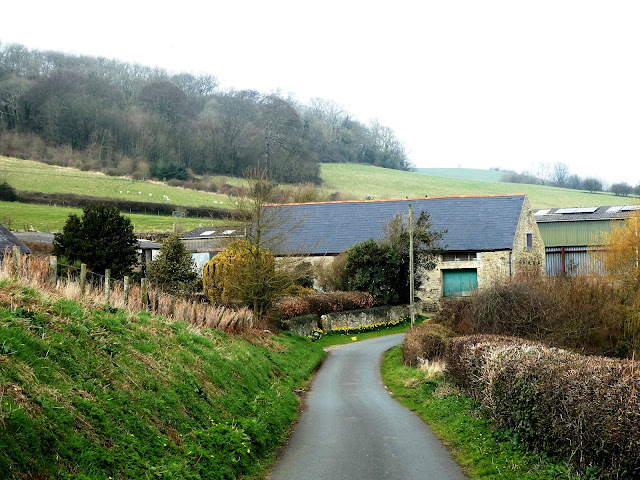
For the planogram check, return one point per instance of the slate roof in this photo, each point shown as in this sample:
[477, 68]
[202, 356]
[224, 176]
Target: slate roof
[8, 240]
[481, 223]
[584, 214]
[144, 244]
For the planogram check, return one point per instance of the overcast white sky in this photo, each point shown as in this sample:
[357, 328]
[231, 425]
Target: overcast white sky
[470, 83]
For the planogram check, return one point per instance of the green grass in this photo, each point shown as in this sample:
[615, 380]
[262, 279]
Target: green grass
[365, 181]
[463, 173]
[39, 177]
[45, 218]
[87, 393]
[484, 451]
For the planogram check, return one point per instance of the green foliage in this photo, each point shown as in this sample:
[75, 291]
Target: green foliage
[170, 170]
[98, 394]
[375, 268]
[102, 238]
[173, 269]
[243, 274]
[7, 193]
[382, 267]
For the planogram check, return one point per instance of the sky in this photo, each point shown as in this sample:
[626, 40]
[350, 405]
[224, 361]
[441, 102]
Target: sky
[474, 84]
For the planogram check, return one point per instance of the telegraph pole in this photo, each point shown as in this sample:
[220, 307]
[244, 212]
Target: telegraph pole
[411, 293]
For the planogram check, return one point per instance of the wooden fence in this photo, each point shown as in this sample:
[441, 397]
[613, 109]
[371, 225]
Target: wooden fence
[104, 291]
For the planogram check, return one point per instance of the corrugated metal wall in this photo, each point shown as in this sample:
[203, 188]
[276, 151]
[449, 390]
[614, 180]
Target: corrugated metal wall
[574, 234]
[573, 261]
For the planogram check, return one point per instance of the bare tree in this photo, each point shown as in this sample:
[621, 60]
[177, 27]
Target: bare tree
[560, 175]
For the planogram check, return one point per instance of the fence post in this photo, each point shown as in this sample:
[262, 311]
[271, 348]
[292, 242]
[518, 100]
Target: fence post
[156, 301]
[16, 260]
[144, 293]
[185, 310]
[126, 291]
[83, 278]
[195, 312]
[173, 307]
[53, 270]
[107, 283]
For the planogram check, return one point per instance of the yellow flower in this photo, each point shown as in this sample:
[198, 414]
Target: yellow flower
[353, 339]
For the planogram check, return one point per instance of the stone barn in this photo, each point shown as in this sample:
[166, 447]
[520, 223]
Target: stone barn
[486, 239]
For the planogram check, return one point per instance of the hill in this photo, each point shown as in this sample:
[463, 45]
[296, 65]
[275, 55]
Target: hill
[463, 173]
[105, 393]
[365, 181]
[340, 181]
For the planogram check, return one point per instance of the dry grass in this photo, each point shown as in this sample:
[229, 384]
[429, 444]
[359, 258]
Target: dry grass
[34, 272]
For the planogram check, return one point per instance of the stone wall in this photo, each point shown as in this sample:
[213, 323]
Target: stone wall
[358, 318]
[525, 259]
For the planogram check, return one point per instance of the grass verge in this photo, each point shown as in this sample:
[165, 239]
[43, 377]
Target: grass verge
[484, 451]
[105, 393]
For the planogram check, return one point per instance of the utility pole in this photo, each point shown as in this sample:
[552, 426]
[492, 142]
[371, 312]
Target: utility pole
[411, 294]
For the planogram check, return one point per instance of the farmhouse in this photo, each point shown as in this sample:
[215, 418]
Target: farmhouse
[487, 238]
[573, 236]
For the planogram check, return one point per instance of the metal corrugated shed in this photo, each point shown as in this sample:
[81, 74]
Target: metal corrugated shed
[482, 223]
[572, 234]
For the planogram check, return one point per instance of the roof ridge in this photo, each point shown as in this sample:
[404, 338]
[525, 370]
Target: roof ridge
[381, 200]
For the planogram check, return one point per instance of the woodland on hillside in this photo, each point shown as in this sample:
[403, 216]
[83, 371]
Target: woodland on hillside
[128, 119]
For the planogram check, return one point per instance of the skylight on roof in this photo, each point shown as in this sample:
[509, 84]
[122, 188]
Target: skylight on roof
[207, 233]
[614, 209]
[228, 232]
[543, 212]
[628, 208]
[577, 210]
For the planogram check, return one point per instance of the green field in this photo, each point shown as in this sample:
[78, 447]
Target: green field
[463, 173]
[364, 181]
[352, 181]
[22, 217]
[39, 177]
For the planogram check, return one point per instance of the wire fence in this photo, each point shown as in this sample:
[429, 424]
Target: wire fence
[100, 291]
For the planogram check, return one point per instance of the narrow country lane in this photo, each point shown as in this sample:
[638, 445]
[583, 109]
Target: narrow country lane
[353, 429]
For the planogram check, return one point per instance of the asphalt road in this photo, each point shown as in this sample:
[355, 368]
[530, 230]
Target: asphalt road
[353, 429]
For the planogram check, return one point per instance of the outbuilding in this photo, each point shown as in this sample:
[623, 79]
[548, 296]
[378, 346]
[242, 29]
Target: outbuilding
[486, 238]
[573, 236]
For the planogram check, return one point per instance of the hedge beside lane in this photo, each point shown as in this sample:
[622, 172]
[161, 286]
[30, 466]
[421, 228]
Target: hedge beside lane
[583, 408]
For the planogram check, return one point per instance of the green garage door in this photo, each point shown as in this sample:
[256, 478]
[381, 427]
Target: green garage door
[459, 283]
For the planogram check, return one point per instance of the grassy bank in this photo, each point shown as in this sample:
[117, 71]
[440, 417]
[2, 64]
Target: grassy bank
[484, 451]
[96, 393]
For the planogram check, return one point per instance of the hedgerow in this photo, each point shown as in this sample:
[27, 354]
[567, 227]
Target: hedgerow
[584, 314]
[427, 341]
[583, 408]
[321, 303]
